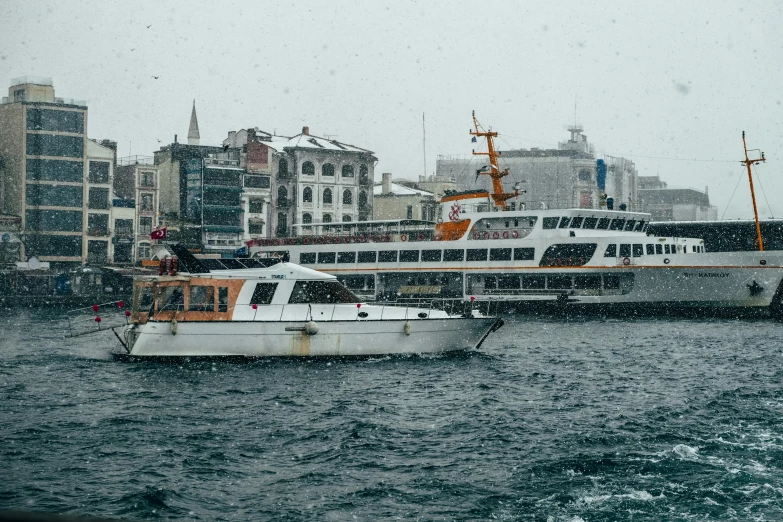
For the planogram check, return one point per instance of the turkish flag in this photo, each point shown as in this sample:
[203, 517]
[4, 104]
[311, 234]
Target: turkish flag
[159, 233]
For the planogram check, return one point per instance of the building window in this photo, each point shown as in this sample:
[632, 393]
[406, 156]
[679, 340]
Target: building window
[147, 179]
[409, 212]
[327, 170]
[308, 168]
[364, 174]
[282, 167]
[255, 227]
[307, 218]
[98, 224]
[257, 181]
[282, 224]
[146, 202]
[282, 197]
[54, 145]
[347, 171]
[99, 172]
[328, 196]
[54, 195]
[346, 219]
[98, 198]
[362, 199]
[307, 195]
[145, 225]
[144, 251]
[123, 227]
[54, 221]
[347, 197]
[55, 120]
[256, 205]
[327, 218]
[585, 175]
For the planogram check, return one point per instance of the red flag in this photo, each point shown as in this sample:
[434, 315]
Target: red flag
[159, 233]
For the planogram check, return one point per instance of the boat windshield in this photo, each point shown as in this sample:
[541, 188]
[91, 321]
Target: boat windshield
[330, 292]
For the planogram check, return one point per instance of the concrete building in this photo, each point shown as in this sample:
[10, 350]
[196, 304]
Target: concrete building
[100, 176]
[136, 208]
[567, 177]
[402, 201]
[45, 175]
[673, 204]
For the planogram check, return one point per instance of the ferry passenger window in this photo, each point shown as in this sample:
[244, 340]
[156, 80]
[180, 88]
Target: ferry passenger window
[638, 250]
[524, 254]
[321, 292]
[346, 257]
[533, 282]
[564, 222]
[222, 299]
[409, 256]
[590, 222]
[263, 293]
[592, 282]
[659, 249]
[507, 223]
[171, 298]
[307, 258]
[508, 282]
[201, 298]
[576, 254]
[431, 255]
[630, 224]
[477, 254]
[500, 254]
[611, 282]
[625, 250]
[387, 256]
[639, 226]
[576, 222]
[453, 255]
[611, 250]
[650, 250]
[666, 249]
[490, 283]
[550, 222]
[617, 224]
[325, 258]
[558, 282]
[603, 223]
[145, 298]
[367, 257]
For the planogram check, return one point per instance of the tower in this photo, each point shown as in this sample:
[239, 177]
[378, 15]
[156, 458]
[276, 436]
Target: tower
[193, 135]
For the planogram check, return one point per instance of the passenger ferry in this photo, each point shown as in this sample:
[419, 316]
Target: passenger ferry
[210, 308]
[574, 259]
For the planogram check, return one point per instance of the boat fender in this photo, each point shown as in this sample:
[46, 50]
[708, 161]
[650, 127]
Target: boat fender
[173, 327]
[626, 261]
[403, 237]
[388, 238]
[311, 328]
[161, 267]
[407, 328]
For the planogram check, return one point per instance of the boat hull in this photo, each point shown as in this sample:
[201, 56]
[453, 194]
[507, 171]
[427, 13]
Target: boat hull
[291, 338]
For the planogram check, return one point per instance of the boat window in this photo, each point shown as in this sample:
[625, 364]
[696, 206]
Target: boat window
[558, 282]
[590, 282]
[171, 298]
[453, 255]
[222, 299]
[533, 282]
[367, 257]
[611, 282]
[550, 222]
[576, 254]
[321, 292]
[638, 250]
[617, 224]
[630, 224]
[325, 258]
[490, 283]
[611, 250]
[564, 222]
[145, 298]
[625, 250]
[603, 223]
[387, 256]
[477, 254]
[263, 293]
[659, 249]
[500, 254]
[577, 222]
[507, 223]
[508, 282]
[650, 250]
[666, 249]
[409, 256]
[431, 255]
[232, 264]
[524, 254]
[684, 249]
[307, 258]
[590, 222]
[639, 226]
[346, 257]
[201, 298]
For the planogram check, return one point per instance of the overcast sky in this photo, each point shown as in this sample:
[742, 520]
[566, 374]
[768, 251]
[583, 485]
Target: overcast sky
[662, 83]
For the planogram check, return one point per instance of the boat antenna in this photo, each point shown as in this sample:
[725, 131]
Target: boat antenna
[748, 163]
[492, 170]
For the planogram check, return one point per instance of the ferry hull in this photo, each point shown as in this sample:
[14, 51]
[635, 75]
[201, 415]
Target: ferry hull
[291, 339]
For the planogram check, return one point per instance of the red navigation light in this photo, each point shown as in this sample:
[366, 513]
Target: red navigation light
[98, 319]
[94, 308]
[121, 304]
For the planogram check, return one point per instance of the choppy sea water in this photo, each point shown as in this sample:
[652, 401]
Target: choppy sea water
[552, 419]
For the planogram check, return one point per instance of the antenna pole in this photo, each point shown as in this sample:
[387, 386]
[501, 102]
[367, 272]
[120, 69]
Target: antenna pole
[748, 163]
[424, 145]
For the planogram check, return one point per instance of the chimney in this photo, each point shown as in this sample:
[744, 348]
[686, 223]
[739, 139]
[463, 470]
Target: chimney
[387, 183]
[306, 130]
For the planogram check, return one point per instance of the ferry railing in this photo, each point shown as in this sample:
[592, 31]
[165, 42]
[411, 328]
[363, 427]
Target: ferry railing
[107, 316]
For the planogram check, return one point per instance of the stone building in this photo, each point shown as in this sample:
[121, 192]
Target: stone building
[673, 204]
[135, 188]
[402, 201]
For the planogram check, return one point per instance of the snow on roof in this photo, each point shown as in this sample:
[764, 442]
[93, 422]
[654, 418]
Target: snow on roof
[307, 141]
[400, 190]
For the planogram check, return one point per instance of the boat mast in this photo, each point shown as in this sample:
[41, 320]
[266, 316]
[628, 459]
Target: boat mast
[494, 171]
[748, 162]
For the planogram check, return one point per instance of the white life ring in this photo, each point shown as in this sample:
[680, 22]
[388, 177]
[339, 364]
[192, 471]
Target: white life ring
[403, 237]
[666, 261]
[505, 234]
[515, 234]
[626, 261]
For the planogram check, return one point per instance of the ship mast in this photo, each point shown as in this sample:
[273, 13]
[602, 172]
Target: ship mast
[494, 171]
[748, 163]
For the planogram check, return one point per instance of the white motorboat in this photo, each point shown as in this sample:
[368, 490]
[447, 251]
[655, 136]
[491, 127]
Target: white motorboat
[279, 310]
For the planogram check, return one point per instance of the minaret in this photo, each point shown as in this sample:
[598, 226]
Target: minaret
[193, 136]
